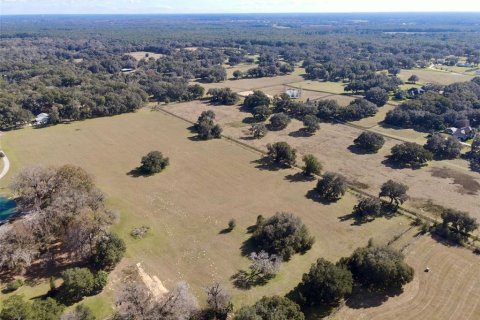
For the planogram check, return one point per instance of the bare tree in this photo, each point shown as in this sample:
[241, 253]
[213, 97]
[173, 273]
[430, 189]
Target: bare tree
[219, 301]
[264, 264]
[136, 302]
[19, 248]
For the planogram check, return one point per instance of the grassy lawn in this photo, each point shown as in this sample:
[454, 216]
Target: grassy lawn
[434, 76]
[186, 207]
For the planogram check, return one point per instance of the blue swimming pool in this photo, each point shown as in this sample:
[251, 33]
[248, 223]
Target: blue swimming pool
[7, 207]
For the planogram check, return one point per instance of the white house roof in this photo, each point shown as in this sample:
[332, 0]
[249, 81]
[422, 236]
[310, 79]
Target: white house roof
[42, 116]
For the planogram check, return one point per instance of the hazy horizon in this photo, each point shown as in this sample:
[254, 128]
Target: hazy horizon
[88, 7]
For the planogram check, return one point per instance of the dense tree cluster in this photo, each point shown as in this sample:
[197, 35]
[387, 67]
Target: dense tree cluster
[62, 204]
[283, 234]
[379, 267]
[325, 283]
[223, 96]
[455, 105]
[369, 141]
[410, 154]
[206, 127]
[443, 147]
[457, 225]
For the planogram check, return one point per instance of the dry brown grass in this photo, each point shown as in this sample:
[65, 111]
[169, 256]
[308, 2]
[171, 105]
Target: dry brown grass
[139, 55]
[186, 206]
[449, 291]
[331, 145]
[434, 76]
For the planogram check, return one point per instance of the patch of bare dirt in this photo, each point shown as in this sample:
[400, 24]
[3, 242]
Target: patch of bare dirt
[467, 184]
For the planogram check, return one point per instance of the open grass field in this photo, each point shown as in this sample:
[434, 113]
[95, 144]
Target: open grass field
[451, 290]
[434, 76]
[139, 55]
[331, 87]
[188, 205]
[458, 188]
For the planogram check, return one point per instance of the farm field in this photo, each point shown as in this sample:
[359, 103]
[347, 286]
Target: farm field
[187, 206]
[449, 291]
[434, 76]
[458, 187]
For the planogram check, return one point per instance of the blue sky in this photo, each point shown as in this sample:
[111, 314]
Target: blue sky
[230, 6]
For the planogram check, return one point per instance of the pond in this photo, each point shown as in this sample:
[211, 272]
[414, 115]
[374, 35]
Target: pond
[7, 207]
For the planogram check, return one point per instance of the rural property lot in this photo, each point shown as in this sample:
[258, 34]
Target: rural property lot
[434, 76]
[188, 205]
[458, 188]
[451, 290]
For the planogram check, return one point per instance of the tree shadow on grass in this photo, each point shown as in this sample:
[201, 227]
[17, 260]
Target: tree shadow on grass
[314, 196]
[266, 164]
[245, 280]
[138, 172]
[362, 298]
[356, 220]
[300, 133]
[359, 151]
[299, 177]
[225, 231]
[250, 120]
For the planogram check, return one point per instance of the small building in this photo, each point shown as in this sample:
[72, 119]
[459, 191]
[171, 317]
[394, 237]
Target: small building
[461, 134]
[293, 93]
[414, 92]
[41, 119]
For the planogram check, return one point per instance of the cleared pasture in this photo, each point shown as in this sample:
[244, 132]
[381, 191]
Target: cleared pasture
[451, 290]
[188, 205]
[139, 55]
[434, 76]
[332, 145]
[331, 87]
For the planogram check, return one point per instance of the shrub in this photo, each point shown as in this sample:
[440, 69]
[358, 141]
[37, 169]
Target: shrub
[310, 123]
[367, 207]
[444, 148]
[77, 283]
[269, 308]
[279, 121]
[325, 283]
[140, 232]
[154, 162]
[282, 153]
[206, 127]
[258, 130]
[356, 110]
[396, 191]
[332, 186]
[257, 98]
[460, 222]
[377, 96]
[261, 113]
[108, 251]
[379, 267]
[283, 234]
[410, 154]
[312, 165]
[232, 224]
[100, 281]
[223, 96]
[14, 285]
[369, 141]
